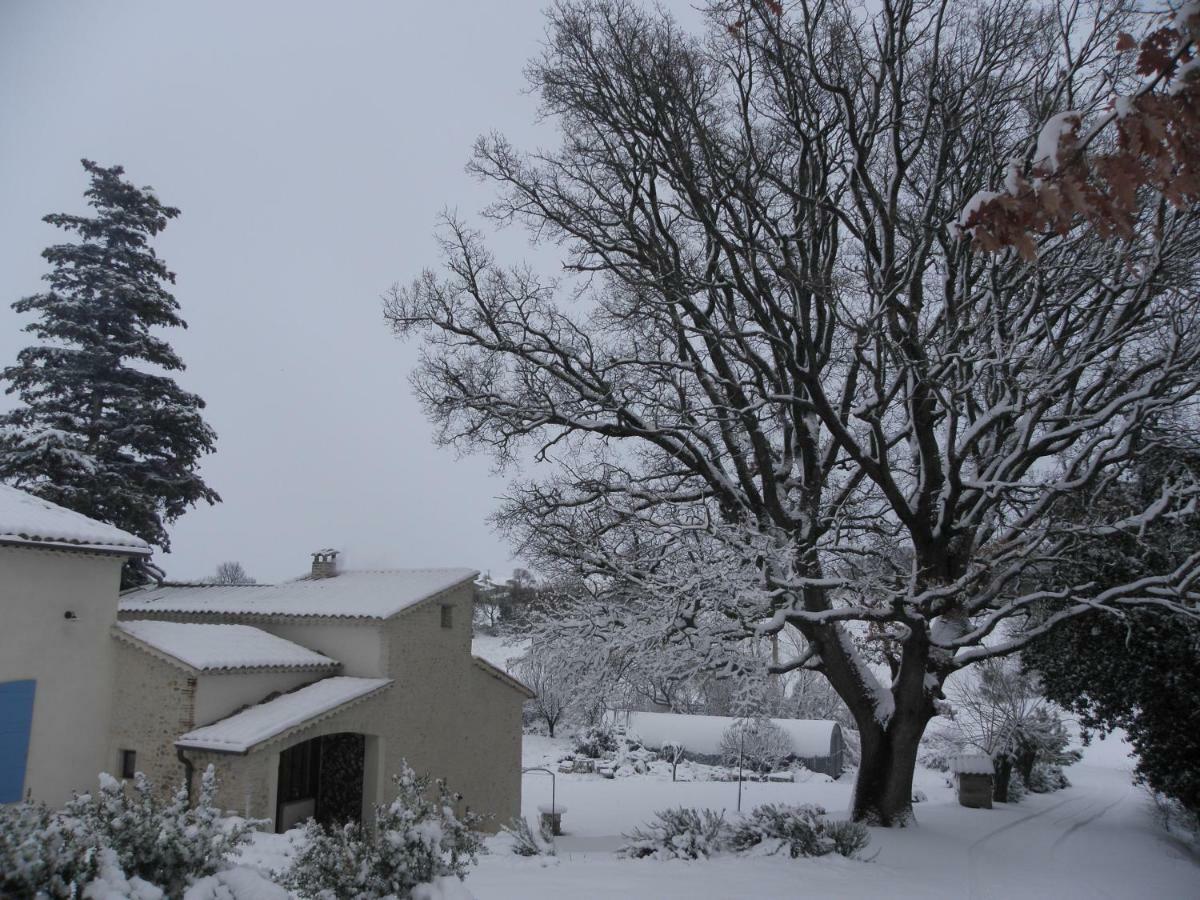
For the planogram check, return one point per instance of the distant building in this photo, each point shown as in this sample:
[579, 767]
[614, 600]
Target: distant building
[816, 743]
[305, 695]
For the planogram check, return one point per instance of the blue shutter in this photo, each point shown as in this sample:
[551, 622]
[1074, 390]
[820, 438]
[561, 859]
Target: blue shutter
[16, 719]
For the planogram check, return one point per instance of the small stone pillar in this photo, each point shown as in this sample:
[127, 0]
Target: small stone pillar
[974, 776]
[551, 819]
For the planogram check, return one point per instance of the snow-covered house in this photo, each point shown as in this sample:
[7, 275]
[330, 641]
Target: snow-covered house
[59, 577]
[306, 695]
[817, 743]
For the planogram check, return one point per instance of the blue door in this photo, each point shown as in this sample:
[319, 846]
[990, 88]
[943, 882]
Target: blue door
[16, 718]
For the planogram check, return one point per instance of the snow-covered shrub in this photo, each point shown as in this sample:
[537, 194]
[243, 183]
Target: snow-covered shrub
[1045, 778]
[238, 883]
[166, 843]
[416, 840]
[760, 744]
[595, 740]
[112, 883]
[526, 841]
[680, 833]
[116, 840]
[1016, 788]
[849, 838]
[43, 853]
[800, 830]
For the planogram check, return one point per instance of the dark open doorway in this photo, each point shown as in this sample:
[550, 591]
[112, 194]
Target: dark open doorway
[321, 778]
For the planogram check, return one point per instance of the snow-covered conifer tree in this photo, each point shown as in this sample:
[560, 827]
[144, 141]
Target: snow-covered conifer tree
[102, 428]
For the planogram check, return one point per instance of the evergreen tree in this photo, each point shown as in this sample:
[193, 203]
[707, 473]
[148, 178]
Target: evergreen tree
[1140, 670]
[102, 429]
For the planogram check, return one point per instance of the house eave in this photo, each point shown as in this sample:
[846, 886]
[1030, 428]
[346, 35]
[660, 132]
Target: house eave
[72, 546]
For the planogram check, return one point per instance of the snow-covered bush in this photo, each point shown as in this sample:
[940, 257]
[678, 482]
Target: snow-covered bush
[42, 853]
[418, 838]
[166, 843]
[800, 830]
[112, 883]
[680, 833]
[1045, 778]
[121, 839]
[595, 740]
[760, 744]
[849, 838]
[526, 841]
[1016, 789]
[238, 883]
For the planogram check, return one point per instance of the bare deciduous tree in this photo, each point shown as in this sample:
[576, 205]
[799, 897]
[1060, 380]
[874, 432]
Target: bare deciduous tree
[231, 573]
[788, 392]
[552, 687]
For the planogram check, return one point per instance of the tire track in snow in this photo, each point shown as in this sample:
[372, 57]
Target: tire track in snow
[973, 874]
[1084, 823]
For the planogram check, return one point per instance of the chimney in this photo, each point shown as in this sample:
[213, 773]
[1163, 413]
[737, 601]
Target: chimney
[324, 564]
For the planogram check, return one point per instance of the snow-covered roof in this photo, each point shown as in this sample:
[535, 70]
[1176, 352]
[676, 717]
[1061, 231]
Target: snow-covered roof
[501, 652]
[216, 648]
[247, 729]
[971, 765]
[374, 594]
[26, 519]
[503, 677]
[702, 734]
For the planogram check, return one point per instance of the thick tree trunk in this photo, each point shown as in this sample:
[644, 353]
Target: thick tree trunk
[1003, 775]
[883, 792]
[1025, 762]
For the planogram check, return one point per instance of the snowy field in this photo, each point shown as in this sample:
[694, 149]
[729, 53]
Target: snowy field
[1096, 839]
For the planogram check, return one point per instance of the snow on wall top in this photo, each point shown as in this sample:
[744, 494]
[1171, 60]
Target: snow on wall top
[223, 647]
[26, 519]
[245, 730]
[702, 734]
[971, 765]
[378, 594]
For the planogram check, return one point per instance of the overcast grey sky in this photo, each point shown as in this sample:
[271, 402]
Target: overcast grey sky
[310, 147]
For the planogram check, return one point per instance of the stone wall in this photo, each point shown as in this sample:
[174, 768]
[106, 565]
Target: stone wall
[445, 716]
[153, 704]
[975, 791]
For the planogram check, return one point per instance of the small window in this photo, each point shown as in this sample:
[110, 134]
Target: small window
[128, 763]
[447, 616]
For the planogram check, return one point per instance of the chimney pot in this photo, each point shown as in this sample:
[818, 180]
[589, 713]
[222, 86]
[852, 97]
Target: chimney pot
[324, 563]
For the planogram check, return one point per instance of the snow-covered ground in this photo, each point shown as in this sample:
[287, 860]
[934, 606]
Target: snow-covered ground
[1096, 839]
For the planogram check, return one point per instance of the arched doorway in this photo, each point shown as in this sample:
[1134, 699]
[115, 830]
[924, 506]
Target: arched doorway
[322, 779]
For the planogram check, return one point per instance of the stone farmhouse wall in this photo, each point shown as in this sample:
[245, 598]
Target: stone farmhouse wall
[444, 715]
[153, 703]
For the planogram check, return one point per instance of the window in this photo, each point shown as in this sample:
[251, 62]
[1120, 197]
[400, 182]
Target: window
[447, 616]
[128, 763]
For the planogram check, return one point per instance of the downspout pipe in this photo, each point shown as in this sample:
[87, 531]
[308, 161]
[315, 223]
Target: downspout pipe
[189, 769]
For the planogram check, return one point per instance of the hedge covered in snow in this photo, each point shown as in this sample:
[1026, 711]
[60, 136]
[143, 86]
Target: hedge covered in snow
[122, 841]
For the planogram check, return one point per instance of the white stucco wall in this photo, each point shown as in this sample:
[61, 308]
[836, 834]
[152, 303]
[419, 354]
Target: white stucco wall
[72, 661]
[220, 695]
[356, 645]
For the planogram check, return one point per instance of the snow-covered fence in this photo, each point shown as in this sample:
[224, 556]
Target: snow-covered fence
[817, 743]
